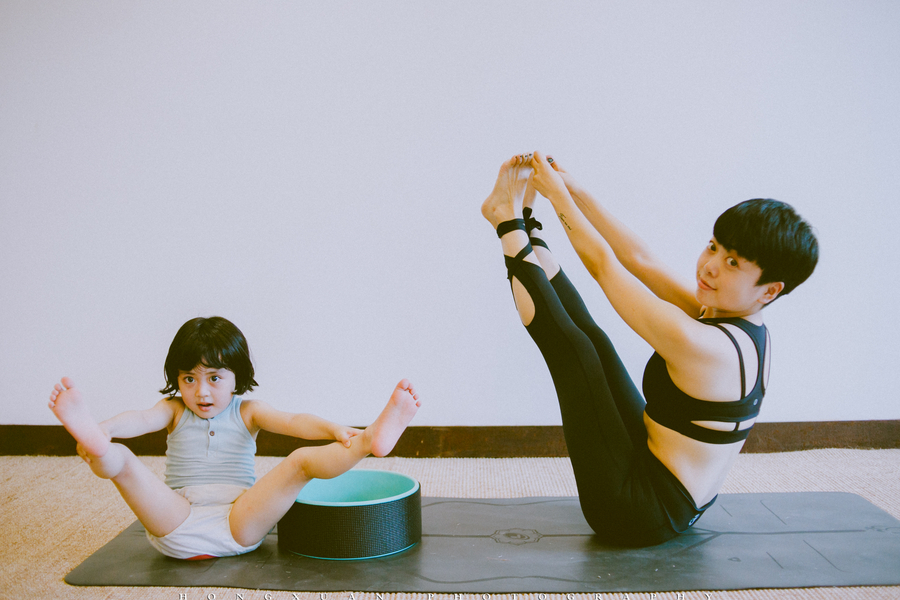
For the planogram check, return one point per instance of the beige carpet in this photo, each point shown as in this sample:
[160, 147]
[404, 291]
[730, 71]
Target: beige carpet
[54, 513]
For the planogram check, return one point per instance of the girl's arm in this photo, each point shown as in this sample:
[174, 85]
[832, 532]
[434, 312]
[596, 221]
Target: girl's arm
[630, 250]
[260, 415]
[678, 337]
[133, 423]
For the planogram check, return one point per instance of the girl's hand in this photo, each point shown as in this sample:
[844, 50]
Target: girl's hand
[83, 453]
[546, 180]
[345, 434]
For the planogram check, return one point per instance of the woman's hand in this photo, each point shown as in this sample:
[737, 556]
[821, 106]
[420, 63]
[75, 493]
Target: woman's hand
[573, 186]
[547, 180]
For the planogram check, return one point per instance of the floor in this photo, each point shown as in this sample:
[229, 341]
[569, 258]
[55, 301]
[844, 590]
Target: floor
[54, 513]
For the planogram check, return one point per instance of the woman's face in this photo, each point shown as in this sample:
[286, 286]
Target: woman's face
[726, 283]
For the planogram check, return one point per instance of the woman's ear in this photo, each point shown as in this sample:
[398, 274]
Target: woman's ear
[772, 291]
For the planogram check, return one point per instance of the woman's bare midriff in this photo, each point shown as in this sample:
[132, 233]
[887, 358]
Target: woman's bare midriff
[700, 467]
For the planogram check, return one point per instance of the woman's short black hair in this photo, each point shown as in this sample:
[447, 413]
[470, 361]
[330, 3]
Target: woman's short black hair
[771, 234]
[214, 342]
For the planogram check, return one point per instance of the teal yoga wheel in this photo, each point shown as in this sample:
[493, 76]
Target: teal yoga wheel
[360, 514]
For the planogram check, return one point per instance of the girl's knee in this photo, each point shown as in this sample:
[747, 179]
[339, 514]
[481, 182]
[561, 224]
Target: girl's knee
[300, 462]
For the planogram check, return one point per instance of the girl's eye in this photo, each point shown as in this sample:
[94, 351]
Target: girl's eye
[732, 262]
[189, 380]
[712, 246]
[214, 378]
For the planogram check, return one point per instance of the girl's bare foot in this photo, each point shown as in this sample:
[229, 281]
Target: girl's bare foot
[505, 201]
[68, 406]
[390, 424]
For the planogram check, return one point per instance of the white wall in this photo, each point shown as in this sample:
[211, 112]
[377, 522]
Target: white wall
[313, 171]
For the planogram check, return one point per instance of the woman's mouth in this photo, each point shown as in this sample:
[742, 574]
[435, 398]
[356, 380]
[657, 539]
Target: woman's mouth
[703, 285]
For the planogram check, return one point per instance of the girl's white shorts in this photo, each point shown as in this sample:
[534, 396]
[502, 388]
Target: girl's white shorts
[206, 531]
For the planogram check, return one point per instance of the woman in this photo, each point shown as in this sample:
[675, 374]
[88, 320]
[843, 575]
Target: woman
[647, 470]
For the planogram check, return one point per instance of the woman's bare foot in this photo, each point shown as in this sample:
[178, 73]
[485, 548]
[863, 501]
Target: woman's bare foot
[505, 201]
[390, 424]
[529, 197]
[68, 406]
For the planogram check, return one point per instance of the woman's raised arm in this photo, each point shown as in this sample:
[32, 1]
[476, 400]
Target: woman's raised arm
[665, 325]
[630, 250]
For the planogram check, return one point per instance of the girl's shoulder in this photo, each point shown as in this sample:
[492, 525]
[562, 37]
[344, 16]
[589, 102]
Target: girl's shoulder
[248, 410]
[176, 405]
[248, 405]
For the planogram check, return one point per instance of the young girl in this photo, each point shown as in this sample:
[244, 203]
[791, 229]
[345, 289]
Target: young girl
[646, 471]
[211, 504]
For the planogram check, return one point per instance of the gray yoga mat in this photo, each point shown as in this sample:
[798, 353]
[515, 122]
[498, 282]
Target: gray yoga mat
[807, 539]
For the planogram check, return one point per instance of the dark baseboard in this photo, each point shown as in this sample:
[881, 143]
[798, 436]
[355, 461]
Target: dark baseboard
[789, 437]
[484, 442]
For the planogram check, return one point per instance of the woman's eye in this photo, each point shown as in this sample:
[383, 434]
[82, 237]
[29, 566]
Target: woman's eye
[214, 378]
[189, 380]
[732, 262]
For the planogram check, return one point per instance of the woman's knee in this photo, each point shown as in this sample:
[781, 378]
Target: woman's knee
[524, 302]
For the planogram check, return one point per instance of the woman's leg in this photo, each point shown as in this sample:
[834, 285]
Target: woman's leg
[609, 459]
[504, 205]
[262, 506]
[599, 444]
[156, 506]
[605, 458]
[629, 401]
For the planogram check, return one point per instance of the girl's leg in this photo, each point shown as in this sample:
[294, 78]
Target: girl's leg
[262, 506]
[156, 506]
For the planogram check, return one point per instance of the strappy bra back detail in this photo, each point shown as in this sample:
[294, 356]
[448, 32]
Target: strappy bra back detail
[672, 408]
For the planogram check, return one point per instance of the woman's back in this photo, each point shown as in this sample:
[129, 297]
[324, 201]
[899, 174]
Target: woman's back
[698, 440]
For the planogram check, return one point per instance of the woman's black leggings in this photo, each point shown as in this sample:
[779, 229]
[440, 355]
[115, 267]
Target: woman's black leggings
[627, 496]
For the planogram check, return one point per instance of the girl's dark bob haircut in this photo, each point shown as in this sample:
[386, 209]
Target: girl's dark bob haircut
[214, 342]
[771, 234]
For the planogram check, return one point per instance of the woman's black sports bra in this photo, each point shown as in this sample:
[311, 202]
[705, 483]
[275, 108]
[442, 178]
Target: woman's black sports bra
[672, 408]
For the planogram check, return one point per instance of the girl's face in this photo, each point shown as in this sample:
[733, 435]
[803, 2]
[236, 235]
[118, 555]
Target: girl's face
[726, 283]
[205, 391]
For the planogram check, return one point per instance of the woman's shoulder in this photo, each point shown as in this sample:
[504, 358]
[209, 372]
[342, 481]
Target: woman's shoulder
[724, 349]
